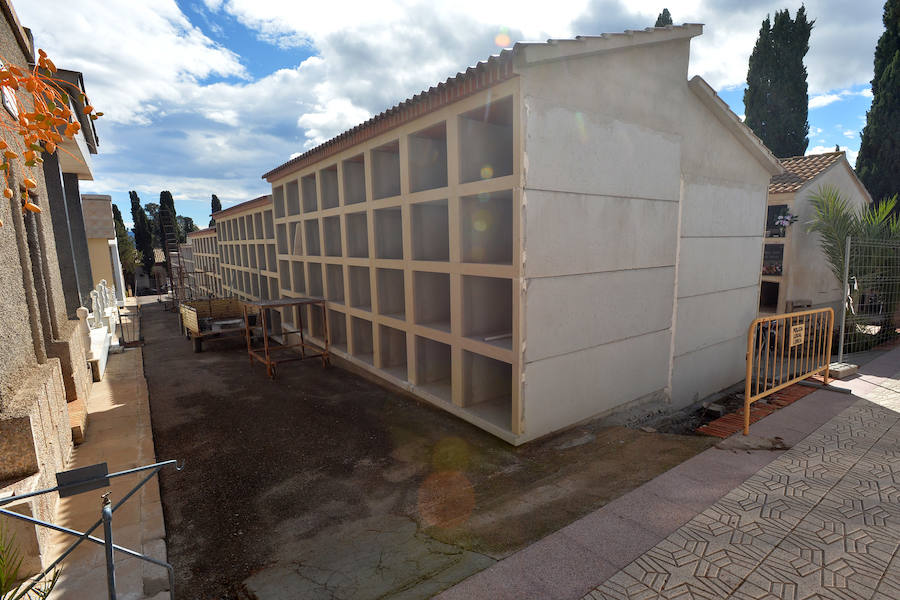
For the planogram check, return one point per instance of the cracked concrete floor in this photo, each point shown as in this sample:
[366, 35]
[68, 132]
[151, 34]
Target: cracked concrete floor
[322, 484]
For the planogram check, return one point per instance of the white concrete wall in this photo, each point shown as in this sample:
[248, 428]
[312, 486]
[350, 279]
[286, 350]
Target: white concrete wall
[625, 170]
[807, 273]
[718, 282]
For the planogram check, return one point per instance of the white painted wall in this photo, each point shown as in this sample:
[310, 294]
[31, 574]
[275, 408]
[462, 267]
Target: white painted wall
[807, 272]
[625, 172]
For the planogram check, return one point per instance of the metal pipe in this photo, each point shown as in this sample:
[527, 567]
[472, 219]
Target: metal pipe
[108, 547]
[846, 297]
[56, 488]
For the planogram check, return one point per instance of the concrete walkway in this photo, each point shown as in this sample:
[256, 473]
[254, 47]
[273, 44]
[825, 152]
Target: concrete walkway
[119, 434]
[821, 520]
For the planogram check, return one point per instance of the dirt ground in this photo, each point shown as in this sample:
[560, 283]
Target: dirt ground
[322, 484]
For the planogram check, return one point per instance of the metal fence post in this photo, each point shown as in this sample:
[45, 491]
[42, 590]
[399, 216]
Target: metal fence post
[108, 546]
[846, 293]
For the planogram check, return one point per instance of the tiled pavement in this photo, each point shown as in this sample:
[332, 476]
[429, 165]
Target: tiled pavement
[821, 520]
[119, 434]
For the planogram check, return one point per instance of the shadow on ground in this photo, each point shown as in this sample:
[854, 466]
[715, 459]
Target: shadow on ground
[321, 484]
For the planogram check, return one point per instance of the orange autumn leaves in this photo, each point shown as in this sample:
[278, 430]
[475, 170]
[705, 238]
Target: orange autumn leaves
[36, 129]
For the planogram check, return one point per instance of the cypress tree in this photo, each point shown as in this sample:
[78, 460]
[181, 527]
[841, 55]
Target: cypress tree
[127, 253]
[143, 239]
[167, 214]
[776, 101]
[215, 207]
[878, 163]
[664, 18]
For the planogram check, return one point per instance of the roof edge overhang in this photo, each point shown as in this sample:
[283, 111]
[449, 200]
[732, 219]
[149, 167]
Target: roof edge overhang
[532, 53]
[483, 75]
[201, 232]
[726, 116]
[846, 164]
[23, 37]
[243, 206]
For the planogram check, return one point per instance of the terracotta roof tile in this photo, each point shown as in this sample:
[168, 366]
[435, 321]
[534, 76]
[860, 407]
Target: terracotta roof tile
[800, 169]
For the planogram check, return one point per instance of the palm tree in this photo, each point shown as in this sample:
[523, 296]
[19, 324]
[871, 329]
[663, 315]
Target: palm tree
[874, 256]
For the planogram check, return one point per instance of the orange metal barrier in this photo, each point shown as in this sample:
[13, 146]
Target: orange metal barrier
[784, 349]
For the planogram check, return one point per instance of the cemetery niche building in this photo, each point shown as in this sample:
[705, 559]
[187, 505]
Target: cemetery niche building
[556, 233]
[795, 272]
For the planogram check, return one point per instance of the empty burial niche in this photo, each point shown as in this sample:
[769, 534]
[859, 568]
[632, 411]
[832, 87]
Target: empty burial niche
[281, 238]
[249, 220]
[357, 235]
[315, 280]
[296, 239]
[298, 277]
[261, 255]
[270, 252]
[292, 197]
[389, 233]
[337, 330]
[260, 286]
[335, 280]
[486, 141]
[487, 389]
[361, 330]
[308, 189]
[433, 374]
[242, 261]
[487, 310]
[274, 293]
[254, 282]
[354, 180]
[284, 274]
[288, 317]
[315, 324]
[251, 251]
[392, 344]
[257, 225]
[768, 296]
[428, 158]
[269, 225]
[360, 288]
[430, 231]
[311, 231]
[329, 181]
[243, 228]
[432, 299]
[386, 170]
[332, 230]
[277, 201]
[391, 296]
[486, 228]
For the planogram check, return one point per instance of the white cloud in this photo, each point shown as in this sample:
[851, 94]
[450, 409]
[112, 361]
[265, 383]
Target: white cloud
[149, 70]
[823, 100]
[851, 154]
[148, 55]
[849, 133]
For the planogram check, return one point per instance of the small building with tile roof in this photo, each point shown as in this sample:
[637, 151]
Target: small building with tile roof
[557, 232]
[795, 273]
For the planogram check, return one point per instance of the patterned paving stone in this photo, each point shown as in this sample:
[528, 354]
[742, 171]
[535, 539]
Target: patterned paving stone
[821, 521]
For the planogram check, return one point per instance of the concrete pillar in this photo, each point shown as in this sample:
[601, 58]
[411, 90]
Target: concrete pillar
[59, 215]
[79, 238]
[118, 278]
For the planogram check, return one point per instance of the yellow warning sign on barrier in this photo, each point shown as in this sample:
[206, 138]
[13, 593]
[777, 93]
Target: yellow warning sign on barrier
[796, 335]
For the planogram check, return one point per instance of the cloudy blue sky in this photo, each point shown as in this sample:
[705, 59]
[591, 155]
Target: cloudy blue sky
[203, 96]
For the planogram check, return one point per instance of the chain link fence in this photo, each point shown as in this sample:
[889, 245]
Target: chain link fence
[870, 314]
